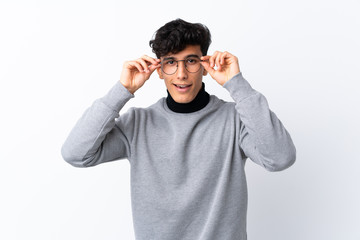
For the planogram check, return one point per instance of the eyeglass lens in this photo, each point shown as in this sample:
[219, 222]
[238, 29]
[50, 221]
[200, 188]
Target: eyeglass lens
[170, 66]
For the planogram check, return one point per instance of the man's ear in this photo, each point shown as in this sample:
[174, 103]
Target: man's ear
[160, 73]
[205, 72]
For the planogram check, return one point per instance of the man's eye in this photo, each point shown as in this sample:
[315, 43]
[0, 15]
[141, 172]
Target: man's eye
[192, 60]
[170, 62]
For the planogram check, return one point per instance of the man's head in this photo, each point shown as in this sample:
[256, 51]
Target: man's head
[178, 40]
[174, 36]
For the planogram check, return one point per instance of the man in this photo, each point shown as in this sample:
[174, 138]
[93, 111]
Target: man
[187, 151]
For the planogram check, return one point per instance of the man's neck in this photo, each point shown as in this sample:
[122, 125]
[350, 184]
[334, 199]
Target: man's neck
[199, 102]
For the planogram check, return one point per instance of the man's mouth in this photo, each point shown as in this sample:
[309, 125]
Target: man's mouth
[182, 86]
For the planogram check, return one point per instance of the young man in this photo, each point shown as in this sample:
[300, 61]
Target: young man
[187, 151]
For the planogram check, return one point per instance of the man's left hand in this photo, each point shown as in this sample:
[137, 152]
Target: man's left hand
[227, 66]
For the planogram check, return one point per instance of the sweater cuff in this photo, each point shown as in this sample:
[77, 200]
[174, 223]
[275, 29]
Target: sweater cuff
[117, 97]
[239, 88]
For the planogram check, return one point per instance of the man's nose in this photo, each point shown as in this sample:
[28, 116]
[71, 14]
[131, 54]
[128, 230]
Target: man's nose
[181, 71]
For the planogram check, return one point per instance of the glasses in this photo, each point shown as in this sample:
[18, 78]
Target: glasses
[170, 66]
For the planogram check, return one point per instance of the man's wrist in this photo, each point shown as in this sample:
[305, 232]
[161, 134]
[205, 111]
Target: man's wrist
[131, 90]
[117, 96]
[229, 77]
[238, 87]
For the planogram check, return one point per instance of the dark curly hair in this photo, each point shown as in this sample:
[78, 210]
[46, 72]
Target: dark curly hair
[174, 36]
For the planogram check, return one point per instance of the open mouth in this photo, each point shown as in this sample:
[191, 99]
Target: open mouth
[182, 86]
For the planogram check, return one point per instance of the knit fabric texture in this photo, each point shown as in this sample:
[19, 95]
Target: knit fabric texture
[187, 169]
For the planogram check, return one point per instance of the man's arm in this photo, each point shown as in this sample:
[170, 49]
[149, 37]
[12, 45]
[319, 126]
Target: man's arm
[263, 138]
[98, 136]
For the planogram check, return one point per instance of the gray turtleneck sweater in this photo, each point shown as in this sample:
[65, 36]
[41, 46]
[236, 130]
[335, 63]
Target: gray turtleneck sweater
[187, 169]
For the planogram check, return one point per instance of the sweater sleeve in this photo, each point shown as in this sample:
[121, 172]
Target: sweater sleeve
[99, 135]
[263, 138]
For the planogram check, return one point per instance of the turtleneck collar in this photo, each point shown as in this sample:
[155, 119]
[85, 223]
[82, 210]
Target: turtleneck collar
[199, 102]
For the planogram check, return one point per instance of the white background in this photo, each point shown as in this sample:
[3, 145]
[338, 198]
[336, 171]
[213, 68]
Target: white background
[57, 57]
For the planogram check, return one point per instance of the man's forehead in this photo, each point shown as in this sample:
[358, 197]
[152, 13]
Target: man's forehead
[190, 50]
[173, 56]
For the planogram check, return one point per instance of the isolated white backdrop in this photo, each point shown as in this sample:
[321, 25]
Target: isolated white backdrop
[57, 57]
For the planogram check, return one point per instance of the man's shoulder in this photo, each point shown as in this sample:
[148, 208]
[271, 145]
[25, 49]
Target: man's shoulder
[136, 114]
[221, 103]
[149, 109]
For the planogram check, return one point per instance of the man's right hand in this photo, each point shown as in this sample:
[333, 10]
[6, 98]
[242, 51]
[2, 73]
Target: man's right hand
[135, 73]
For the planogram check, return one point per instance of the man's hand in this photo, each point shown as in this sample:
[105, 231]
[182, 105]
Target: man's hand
[227, 66]
[135, 73]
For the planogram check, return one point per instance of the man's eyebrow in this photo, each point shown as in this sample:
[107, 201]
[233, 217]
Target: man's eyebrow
[192, 55]
[168, 58]
[173, 58]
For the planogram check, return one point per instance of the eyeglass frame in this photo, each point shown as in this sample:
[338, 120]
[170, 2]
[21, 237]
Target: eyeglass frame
[177, 63]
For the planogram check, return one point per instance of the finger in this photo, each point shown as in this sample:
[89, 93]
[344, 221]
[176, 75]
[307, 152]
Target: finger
[227, 55]
[205, 64]
[222, 58]
[144, 64]
[156, 64]
[205, 61]
[205, 58]
[212, 59]
[207, 67]
[217, 61]
[138, 66]
[153, 67]
[150, 59]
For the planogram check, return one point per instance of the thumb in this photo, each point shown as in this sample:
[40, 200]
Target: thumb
[152, 68]
[207, 67]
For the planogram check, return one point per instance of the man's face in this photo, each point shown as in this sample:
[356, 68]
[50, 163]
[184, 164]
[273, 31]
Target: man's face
[190, 83]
